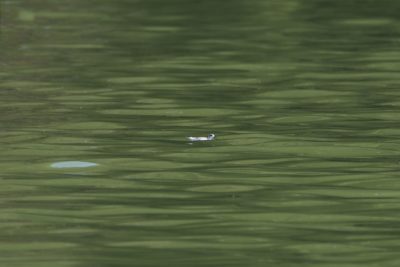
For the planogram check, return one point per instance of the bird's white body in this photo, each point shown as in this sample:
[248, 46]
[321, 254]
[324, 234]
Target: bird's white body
[210, 137]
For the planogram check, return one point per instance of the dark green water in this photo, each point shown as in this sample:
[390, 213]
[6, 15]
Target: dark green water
[303, 97]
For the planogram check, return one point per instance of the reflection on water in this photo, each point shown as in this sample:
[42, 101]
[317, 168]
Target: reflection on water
[302, 95]
[72, 164]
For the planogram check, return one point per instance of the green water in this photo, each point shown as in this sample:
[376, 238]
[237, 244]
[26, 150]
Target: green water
[303, 97]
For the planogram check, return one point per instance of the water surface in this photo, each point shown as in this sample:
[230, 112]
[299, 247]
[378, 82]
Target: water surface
[302, 96]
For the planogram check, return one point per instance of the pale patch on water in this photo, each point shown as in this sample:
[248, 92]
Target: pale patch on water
[72, 164]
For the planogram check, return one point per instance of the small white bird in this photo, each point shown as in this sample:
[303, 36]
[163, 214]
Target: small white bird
[210, 137]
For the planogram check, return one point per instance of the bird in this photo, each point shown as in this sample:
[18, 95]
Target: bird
[210, 137]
